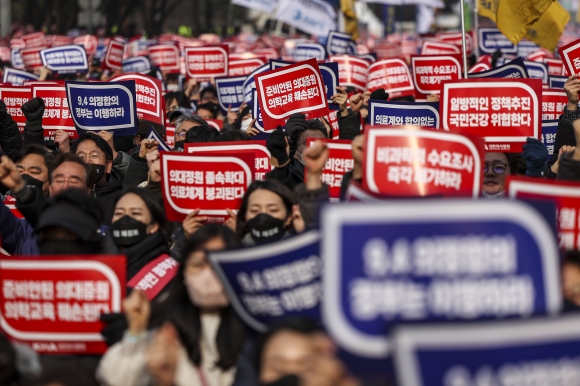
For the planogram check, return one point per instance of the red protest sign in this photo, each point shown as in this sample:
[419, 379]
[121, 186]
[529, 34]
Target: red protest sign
[392, 75]
[429, 72]
[35, 40]
[206, 62]
[244, 67]
[502, 111]
[297, 88]
[553, 104]
[213, 183]
[148, 95]
[566, 196]
[56, 110]
[113, 59]
[408, 161]
[456, 39]
[268, 53]
[539, 55]
[89, 42]
[387, 51]
[5, 54]
[256, 149]
[352, 72]
[215, 123]
[59, 40]
[554, 66]
[430, 47]
[31, 58]
[17, 44]
[333, 123]
[165, 56]
[53, 303]
[14, 97]
[570, 55]
[339, 162]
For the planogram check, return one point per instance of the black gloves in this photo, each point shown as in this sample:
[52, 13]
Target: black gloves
[276, 145]
[33, 109]
[535, 154]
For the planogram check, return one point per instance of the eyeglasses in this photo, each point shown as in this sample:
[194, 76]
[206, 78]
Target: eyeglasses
[93, 156]
[181, 134]
[498, 168]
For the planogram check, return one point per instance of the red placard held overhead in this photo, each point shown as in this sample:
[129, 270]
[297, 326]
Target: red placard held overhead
[554, 66]
[553, 104]
[57, 114]
[213, 183]
[165, 56]
[5, 54]
[566, 196]
[352, 72]
[408, 161]
[339, 162]
[14, 97]
[31, 58]
[148, 95]
[53, 303]
[297, 88]
[392, 75]
[268, 53]
[35, 40]
[59, 40]
[387, 51]
[206, 62]
[502, 111]
[113, 59]
[89, 42]
[429, 72]
[244, 66]
[570, 55]
[456, 39]
[435, 48]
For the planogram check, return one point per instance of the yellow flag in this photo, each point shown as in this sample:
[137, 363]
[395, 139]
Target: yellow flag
[487, 8]
[547, 30]
[350, 21]
[578, 13]
[514, 17]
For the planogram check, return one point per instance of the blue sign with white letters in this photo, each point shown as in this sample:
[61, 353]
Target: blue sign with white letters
[526, 47]
[65, 59]
[101, 51]
[140, 64]
[443, 259]
[537, 70]
[491, 39]
[230, 92]
[16, 59]
[97, 106]
[549, 129]
[338, 43]
[352, 48]
[270, 282]
[153, 134]
[515, 69]
[250, 83]
[425, 114]
[533, 352]
[16, 77]
[305, 51]
[557, 82]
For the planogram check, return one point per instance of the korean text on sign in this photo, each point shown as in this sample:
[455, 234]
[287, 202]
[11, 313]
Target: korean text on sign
[431, 71]
[339, 162]
[203, 62]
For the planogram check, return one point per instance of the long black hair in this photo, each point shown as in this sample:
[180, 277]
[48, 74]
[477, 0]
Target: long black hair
[185, 316]
[273, 186]
[152, 204]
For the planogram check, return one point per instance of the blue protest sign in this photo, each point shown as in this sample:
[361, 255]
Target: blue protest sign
[433, 260]
[250, 83]
[372, 57]
[140, 64]
[425, 114]
[305, 51]
[270, 282]
[337, 43]
[514, 69]
[556, 82]
[549, 129]
[230, 92]
[101, 50]
[526, 47]
[16, 77]
[16, 59]
[352, 49]
[491, 39]
[65, 59]
[103, 106]
[537, 70]
[257, 115]
[543, 351]
[153, 134]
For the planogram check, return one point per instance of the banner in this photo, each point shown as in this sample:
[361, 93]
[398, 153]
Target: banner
[267, 6]
[35, 40]
[250, 84]
[412, 162]
[316, 17]
[554, 103]
[433, 259]
[138, 64]
[511, 70]
[500, 353]
[503, 112]
[393, 75]
[570, 55]
[371, 58]
[230, 92]
[557, 82]
[31, 58]
[244, 67]
[384, 113]
[89, 43]
[297, 88]
[537, 71]
[456, 39]
[337, 43]
[435, 48]
[57, 114]
[565, 195]
[305, 51]
[153, 134]
[113, 59]
[14, 97]
[214, 183]
[16, 77]
[554, 66]
[491, 39]
[53, 303]
[430, 71]
[339, 162]
[479, 67]
[97, 106]
[165, 56]
[65, 59]
[148, 95]
[271, 282]
[387, 51]
[352, 71]
[206, 62]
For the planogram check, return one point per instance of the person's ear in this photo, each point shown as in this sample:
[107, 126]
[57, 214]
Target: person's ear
[108, 167]
[152, 228]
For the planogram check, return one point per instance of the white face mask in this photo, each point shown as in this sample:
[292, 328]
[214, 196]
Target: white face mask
[246, 124]
[493, 196]
[205, 289]
[172, 87]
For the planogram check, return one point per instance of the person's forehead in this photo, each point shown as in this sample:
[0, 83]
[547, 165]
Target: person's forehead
[88, 145]
[311, 134]
[32, 160]
[496, 157]
[187, 125]
[286, 342]
[203, 111]
[70, 169]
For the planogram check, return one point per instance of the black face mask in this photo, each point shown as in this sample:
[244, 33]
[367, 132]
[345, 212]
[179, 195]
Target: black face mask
[179, 145]
[287, 380]
[61, 247]
[127, 231]
[32, 182]
[265, 228]
[99, 171]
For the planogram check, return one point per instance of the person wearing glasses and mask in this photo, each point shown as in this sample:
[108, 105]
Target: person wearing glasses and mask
[182, 125]
[496, 168]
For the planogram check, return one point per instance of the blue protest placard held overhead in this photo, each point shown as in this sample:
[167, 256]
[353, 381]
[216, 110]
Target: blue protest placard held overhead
[273, 281]
[250, 84]
[534, 352]
[65, 59]
[337, 43]
[491, 39]
[230, 92]
[537, 70]
[109, 106]
[16, 77]
[515, 69]
[140, 64]
[16, 59]
[556, 82]
[433, 260]
[549, 129]
[425, 114]
[305, 51]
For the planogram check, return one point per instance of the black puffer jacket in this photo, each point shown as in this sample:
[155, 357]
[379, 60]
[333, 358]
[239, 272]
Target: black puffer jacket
[106, 192]
[10, 137]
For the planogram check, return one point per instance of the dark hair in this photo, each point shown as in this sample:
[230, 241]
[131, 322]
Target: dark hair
[69, 373]
[8, 371]
[179, 97]
[209, 89]
[99, 142]
[273, 186]
[211, 107]
[185, 316]
[409, 98]
[203, 133]
[85, 202]
[229, 135]
[34, 148]
[152, 204]
[241, 114]
[90, 175]
[512, 159]
[145, 126]
[296, 137]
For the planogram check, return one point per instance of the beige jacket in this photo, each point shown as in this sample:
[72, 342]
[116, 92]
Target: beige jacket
[125, 363]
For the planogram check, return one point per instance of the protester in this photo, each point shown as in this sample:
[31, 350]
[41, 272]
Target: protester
[208, 110]
[183, 124]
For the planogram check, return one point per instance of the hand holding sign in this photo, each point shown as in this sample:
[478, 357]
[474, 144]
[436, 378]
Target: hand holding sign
[572, 87]
[340, 99]
[147, 146]
[193, 222]
[62, 141]
[137, 310]
[108, 137]
[252, 129]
